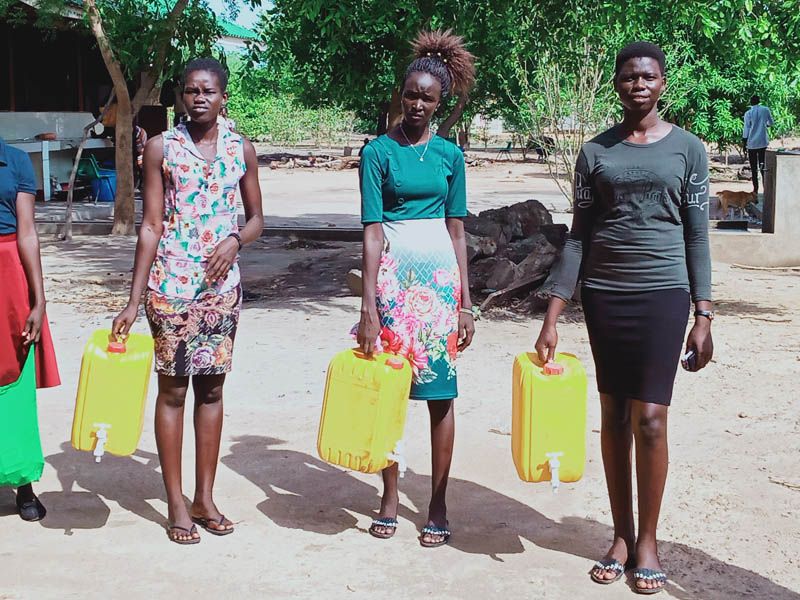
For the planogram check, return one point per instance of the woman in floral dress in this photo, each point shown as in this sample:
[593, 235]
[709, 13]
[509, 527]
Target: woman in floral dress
[416, 299]
[187, 258]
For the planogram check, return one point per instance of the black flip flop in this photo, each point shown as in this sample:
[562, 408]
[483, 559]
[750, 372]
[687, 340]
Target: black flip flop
[204, 523]
[437, 531]
[649, 575]
[32, 510]
[607, 564]
[191, 531]
[385, 522]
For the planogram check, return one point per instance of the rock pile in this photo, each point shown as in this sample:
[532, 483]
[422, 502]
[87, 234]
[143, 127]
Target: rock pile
[511, 249]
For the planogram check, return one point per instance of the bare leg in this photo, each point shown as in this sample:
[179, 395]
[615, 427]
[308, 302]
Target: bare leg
[615, 442]
[652, 459]
[389, 500]
[442, 437]
[169, 439]
[208, 431]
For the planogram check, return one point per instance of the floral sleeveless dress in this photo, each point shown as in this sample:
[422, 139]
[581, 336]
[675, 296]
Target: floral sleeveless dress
[194, 323]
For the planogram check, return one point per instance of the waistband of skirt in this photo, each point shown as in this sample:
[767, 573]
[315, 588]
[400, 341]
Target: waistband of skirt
[7, 238]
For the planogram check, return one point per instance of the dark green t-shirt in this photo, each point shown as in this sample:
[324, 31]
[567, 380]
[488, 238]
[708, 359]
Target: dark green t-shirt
[640, 217]
[396, 185]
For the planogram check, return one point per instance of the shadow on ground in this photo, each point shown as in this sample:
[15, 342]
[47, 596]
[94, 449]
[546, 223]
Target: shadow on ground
[302, 492]
[130, 481]
[8, 502]
[737, 308]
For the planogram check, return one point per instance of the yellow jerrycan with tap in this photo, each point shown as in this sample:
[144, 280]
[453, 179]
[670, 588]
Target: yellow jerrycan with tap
[112, 391]
[364, 411]
[548, 419]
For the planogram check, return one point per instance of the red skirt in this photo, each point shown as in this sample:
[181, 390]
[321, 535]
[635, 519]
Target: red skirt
[15, 306]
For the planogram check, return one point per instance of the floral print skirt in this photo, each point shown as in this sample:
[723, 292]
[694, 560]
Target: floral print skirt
[193, 337]
[418, 297]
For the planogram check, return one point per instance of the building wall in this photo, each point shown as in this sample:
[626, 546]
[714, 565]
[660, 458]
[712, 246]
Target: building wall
[778, 249]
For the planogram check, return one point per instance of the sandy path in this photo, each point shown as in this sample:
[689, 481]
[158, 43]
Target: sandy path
[728, 529]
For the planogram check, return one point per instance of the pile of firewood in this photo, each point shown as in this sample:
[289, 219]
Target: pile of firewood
[511, 250]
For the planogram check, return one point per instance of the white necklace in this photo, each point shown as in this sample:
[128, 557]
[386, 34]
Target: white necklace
[424, 150]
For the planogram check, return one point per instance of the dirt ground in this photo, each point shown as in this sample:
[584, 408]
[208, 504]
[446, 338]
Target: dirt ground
[729, 525]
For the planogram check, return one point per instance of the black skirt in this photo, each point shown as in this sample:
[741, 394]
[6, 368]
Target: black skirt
[637, 341]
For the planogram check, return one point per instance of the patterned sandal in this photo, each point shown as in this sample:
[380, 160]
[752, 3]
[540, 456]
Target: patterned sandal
[649, 575]
[607, 564]
[385, 523]
[437, 531]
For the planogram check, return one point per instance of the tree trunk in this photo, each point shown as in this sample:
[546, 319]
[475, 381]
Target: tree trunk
[124, 204]
[463, 135]
[124, 209]
[395, 110]
[453, 117]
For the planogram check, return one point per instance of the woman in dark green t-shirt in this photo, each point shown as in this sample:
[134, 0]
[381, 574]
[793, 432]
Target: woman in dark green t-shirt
[640, 230]
[416, 299]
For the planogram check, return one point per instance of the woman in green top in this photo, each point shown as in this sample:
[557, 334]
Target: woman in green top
[640, 228]
[416, 299]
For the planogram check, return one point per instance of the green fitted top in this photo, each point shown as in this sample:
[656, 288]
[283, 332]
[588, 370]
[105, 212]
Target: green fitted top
[641, 217]
[397, 186]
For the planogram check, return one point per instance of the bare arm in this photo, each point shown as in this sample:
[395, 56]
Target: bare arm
[149, 233]
[466, 324]
[28, 247]
[370, 325]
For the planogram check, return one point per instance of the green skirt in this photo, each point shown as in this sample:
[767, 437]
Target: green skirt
[21, 458]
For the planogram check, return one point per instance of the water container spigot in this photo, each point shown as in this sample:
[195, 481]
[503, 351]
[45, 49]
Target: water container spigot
[554, 464]
[397, 456]
[102, 437]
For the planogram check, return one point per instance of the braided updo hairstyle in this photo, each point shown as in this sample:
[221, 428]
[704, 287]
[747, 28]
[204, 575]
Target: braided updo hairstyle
[442, 55]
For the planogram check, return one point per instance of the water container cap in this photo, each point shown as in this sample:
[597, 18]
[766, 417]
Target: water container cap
[395, 363]
[553, 368]
[116, 347]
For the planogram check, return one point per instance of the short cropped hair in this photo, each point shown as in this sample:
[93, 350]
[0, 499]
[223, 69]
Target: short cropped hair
[212, 65]
[640, 50]
[755, 99]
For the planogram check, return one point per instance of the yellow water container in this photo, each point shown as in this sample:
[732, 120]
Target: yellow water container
[364, 411]
[112, 391]
[548, 422]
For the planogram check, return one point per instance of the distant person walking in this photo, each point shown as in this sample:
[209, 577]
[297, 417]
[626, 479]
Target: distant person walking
[756, 139]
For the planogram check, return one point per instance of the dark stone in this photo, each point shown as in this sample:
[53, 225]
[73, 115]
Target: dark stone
[519, 250]
[556, 233]
[538, 262]
[482, 271]
[519, 220]
[503, 275]
[479, 247]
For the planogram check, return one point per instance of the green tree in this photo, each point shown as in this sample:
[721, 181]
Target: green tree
[354, 52]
